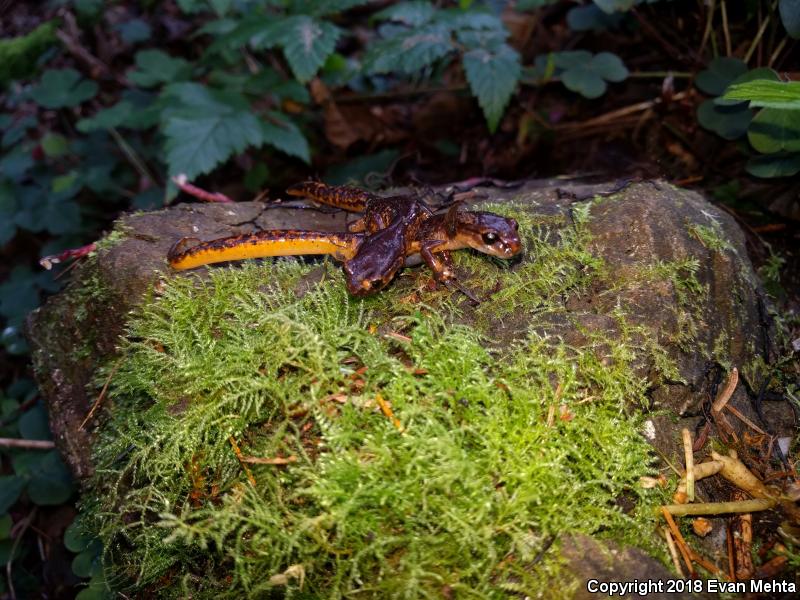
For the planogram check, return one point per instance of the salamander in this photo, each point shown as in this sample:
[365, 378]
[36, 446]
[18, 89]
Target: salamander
[392, 232]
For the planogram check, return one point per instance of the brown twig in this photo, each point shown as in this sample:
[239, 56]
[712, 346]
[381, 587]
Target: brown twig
[682, 546]
[240, 457]
[725, 29]
[725, 394]
[278, 460]
[102, 395]
[28, 444]
[193, 190]
[673, 552]
[689, 457]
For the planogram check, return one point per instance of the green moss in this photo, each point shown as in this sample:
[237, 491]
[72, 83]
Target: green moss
[18, 55]
[500, 450]
[711, 236]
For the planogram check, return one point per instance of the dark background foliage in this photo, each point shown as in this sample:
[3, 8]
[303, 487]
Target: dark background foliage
[104, 102]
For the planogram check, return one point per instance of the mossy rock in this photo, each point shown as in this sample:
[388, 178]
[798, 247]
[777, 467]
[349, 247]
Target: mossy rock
[431, 447]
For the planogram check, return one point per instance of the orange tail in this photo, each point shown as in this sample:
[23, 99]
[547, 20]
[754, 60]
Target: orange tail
[345, 197]
[271, 242]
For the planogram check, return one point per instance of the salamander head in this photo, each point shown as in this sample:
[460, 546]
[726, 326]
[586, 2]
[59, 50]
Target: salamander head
[489, 233]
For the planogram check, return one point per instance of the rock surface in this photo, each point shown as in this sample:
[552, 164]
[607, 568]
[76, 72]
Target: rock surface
[645, 224]
[673, 263]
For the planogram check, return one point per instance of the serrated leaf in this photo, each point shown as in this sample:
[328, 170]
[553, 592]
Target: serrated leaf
[410, 51]
[62, 88]
[318, 8]
[155, 67]
[207, 128]
[774, 165]
[11, 487]
[729, 122]
[611, 6]
[411, 13]
[286, 137]
[33, 424]
[107, 118]
[307, 43]
[775, 130]
[492, 77]
[764, 93]
[719, 75]
[790, 17]
[50, 483]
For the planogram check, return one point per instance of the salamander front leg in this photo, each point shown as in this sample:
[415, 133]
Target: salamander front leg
[441, 264]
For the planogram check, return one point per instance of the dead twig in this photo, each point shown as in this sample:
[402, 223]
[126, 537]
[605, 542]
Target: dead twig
[184, 185]
[278, 460]
[689, 457]
[240, 458]
[720, 508]
[27, 444]
[102, 395]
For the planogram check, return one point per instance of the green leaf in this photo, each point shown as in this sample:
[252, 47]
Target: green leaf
[790, 17]
[51, 483]
[584, 81]
[318, 8]
[719, 75]
[285, 136]
[134, 31]
[19, 293]
[610, 6]
[74, 539]
[155, 67]
[16, 130]
[33, 424]
[492, 77]
[97, 589]
[54, 145]
[774, 130]
[84, 562]
[62, 88]
[8, 210]
[207, 128]
[729, 122]
[766, 93]
[11, 487]
[15, 164]
[307, 43]
[774, 165]
[761, 73]
[411, 13]
[409, 52]
[609, 66]
[590, 18]
[107, 118]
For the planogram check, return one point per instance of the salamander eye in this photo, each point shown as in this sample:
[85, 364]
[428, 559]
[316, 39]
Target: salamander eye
[489, 238]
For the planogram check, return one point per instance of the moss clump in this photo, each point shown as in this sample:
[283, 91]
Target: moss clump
[18, 55]
[499, 451]
[711, 236]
